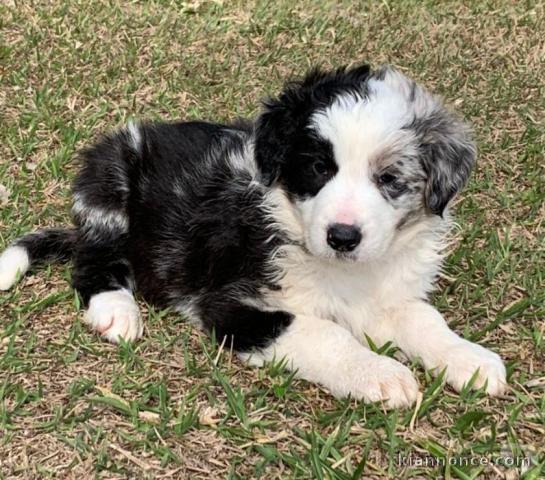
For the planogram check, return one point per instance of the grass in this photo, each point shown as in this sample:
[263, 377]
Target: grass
[174, 406]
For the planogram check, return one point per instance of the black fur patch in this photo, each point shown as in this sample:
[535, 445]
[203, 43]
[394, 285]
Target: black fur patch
[284, 145]
[50, 245]
[100, 266]
[198, 233]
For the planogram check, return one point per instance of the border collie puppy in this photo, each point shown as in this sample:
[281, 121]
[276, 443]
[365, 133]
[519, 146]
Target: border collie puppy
[295, 237]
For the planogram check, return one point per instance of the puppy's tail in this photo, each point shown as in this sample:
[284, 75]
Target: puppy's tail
[43, 246]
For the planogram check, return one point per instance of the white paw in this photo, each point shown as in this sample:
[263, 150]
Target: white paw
[383, 379]
[115, 315]
[14, 262]
[463, 361]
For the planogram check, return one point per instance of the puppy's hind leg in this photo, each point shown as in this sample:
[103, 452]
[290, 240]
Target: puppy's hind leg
[103, 278]
[102, 273]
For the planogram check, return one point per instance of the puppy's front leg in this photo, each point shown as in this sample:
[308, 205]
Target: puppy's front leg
[323, 352]
[421, 331]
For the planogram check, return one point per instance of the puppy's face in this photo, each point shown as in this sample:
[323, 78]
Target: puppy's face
[362, 156]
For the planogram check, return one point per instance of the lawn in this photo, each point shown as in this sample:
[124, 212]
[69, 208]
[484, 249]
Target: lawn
[173, 405]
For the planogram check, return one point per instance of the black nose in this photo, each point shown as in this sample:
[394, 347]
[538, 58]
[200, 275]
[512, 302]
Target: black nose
[342, 237]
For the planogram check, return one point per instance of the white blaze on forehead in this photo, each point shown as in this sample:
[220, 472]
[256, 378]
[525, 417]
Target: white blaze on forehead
[418, 100]
[360, 128]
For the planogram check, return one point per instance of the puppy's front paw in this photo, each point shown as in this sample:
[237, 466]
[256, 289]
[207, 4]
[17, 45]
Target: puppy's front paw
[387, 381]
[465, 359]
[114, 315]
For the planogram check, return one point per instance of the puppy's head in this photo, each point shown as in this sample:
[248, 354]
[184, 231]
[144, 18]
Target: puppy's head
[362, 155]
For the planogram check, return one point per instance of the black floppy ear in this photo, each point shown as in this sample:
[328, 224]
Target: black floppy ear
[274, 127]
[284, 117]
[448, 155]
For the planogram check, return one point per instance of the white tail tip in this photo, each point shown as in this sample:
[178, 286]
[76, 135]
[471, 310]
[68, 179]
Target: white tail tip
[14, 263]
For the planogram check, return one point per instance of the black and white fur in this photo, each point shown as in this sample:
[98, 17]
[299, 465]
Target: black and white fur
[292, 237]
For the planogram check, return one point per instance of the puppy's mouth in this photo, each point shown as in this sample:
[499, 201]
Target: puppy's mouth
[349, 257]
[331, 255]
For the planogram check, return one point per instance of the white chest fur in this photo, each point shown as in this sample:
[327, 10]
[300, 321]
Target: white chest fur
[353, 294]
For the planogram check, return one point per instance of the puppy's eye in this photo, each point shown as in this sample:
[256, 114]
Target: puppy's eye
[320, 168]
[386, 178]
